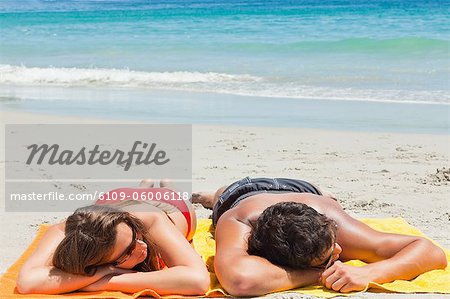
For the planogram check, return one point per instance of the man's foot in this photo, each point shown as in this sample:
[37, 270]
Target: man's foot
[147, 183]
[206, 199]
[166, 183]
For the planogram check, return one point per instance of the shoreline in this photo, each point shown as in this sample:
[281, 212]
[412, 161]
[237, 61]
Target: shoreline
[163, 106]
[16, 89]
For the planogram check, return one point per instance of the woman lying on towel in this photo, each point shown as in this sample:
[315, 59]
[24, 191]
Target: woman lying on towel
[120, 245]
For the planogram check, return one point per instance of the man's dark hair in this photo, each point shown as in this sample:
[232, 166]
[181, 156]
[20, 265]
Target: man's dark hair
[291, 234]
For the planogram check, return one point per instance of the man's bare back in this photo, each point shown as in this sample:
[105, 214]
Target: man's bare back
[252, 207]
[388, 256]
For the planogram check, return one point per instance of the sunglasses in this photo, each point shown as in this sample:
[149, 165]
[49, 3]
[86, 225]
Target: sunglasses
[325, 265]
[129, 251]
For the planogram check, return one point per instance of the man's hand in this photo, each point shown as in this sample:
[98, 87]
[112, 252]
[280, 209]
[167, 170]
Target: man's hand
[344, 278]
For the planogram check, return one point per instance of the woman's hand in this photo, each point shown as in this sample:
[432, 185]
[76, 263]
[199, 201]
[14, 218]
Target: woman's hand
[106, 272]
[99, 285]
[344, 278]
[109, 269]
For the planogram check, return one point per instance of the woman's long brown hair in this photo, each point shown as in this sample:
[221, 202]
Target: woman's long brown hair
[90, 235]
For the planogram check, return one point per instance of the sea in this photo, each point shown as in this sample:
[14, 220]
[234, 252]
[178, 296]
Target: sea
[378, 65]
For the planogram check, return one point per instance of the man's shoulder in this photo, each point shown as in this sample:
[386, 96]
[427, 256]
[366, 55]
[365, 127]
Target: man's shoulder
[244, 212]
[235, 214]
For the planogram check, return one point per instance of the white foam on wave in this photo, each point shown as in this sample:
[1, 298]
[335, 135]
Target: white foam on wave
[115, 77]
[245, 85]
[439, 97]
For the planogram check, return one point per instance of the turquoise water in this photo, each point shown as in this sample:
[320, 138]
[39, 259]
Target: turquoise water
[363, 51]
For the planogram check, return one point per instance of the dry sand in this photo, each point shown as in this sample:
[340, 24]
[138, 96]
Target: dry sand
[372, 174]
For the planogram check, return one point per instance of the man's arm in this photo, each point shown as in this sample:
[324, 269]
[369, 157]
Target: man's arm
[242, 274]
[390, 256]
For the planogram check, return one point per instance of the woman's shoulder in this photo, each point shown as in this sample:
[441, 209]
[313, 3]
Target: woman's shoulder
[61, 226]
[46, 246]
[53, 236]
[148, 216]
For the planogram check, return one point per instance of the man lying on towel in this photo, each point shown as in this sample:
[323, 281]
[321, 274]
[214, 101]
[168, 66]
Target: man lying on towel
[279, 234]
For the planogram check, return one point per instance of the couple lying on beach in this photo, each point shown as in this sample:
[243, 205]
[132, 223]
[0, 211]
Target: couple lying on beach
[271, 235]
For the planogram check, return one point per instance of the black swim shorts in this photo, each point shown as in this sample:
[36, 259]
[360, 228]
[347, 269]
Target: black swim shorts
[246, 187]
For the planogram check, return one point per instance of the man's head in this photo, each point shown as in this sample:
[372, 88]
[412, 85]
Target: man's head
[291, 234]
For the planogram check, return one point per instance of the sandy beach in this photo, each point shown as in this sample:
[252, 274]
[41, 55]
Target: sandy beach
[372, 174]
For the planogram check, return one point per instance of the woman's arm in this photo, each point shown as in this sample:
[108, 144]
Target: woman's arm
[186, 273]
[50, 280]
[37, 275]
[165, 282]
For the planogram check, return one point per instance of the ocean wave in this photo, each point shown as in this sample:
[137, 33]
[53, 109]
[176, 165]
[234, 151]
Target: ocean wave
[244, 85]
[404, 45]
[112, 77]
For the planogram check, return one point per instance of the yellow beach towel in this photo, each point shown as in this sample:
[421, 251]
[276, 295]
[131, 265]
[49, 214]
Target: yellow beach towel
[436, 281]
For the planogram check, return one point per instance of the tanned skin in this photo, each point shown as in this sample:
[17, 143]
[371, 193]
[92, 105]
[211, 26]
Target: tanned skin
[388, 256]
[185, 274]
